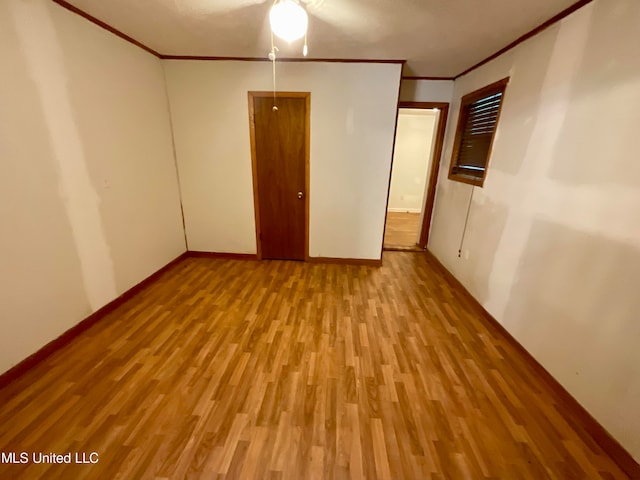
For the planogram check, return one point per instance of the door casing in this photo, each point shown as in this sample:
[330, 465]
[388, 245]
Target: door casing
[434, 170]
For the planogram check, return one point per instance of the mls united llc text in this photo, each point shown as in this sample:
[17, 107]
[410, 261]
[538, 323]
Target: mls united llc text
[40, 457]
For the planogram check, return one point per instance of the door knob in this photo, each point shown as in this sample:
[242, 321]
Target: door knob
[300, 194]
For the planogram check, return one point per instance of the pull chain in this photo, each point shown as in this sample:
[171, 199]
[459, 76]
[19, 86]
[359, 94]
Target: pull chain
[466, 221]
[272, 57]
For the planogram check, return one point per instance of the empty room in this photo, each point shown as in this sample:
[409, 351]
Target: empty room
[320, 239]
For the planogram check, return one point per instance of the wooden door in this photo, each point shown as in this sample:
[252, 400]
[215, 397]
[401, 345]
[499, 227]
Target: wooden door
[280, 150]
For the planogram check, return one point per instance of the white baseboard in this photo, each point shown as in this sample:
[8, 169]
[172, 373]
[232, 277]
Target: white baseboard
[404, 210]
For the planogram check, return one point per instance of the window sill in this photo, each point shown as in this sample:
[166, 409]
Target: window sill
[468, 179]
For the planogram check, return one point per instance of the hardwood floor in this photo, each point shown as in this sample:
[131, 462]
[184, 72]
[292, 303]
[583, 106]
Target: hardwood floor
[285, 370]
[402, 229]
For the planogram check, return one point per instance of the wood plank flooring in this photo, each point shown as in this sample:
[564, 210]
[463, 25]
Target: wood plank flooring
[402, 229]
[226, 369]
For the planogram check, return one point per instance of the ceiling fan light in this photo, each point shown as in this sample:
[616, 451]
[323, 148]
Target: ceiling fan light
[288, 20]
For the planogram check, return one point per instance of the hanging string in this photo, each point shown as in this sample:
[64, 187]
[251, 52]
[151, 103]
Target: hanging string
[275, 108]
[466, 221]
[272, 57]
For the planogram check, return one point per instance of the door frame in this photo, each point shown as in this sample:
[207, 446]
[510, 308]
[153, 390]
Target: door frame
[434, 170]
[254, 165]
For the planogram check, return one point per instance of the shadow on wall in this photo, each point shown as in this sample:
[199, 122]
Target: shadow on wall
[39, 252]
[477, 273]
[523, 96]
[446, 229]
[602, 127]
[39, 42]
[575, 305]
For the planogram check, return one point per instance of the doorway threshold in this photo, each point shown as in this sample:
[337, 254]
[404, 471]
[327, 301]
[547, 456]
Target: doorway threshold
[401, 248]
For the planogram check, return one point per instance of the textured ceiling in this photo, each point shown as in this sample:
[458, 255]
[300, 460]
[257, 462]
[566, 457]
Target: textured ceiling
[436, 37]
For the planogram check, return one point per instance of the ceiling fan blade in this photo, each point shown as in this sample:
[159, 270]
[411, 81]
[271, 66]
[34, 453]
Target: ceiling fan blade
[351, 18]
[204, 7]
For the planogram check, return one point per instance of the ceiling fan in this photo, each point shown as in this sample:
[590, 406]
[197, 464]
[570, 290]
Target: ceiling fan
[349, 17]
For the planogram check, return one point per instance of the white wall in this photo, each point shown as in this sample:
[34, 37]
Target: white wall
[353, 110]
[411, 159]
[426, 90]
[554, 236]
[89, 202]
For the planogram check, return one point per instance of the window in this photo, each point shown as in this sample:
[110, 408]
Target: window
[477, 122]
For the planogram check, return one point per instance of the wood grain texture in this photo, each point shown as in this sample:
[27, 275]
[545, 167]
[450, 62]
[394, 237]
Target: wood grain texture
[401, 229]
[50, 348]
[280, 159]
[584, 421]
[234, 369]
[371, 262]
[227, 255]
[280, 151]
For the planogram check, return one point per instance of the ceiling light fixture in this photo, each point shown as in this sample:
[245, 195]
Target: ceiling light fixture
[288, 20]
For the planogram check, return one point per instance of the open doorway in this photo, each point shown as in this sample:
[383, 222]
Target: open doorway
[416, 158]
